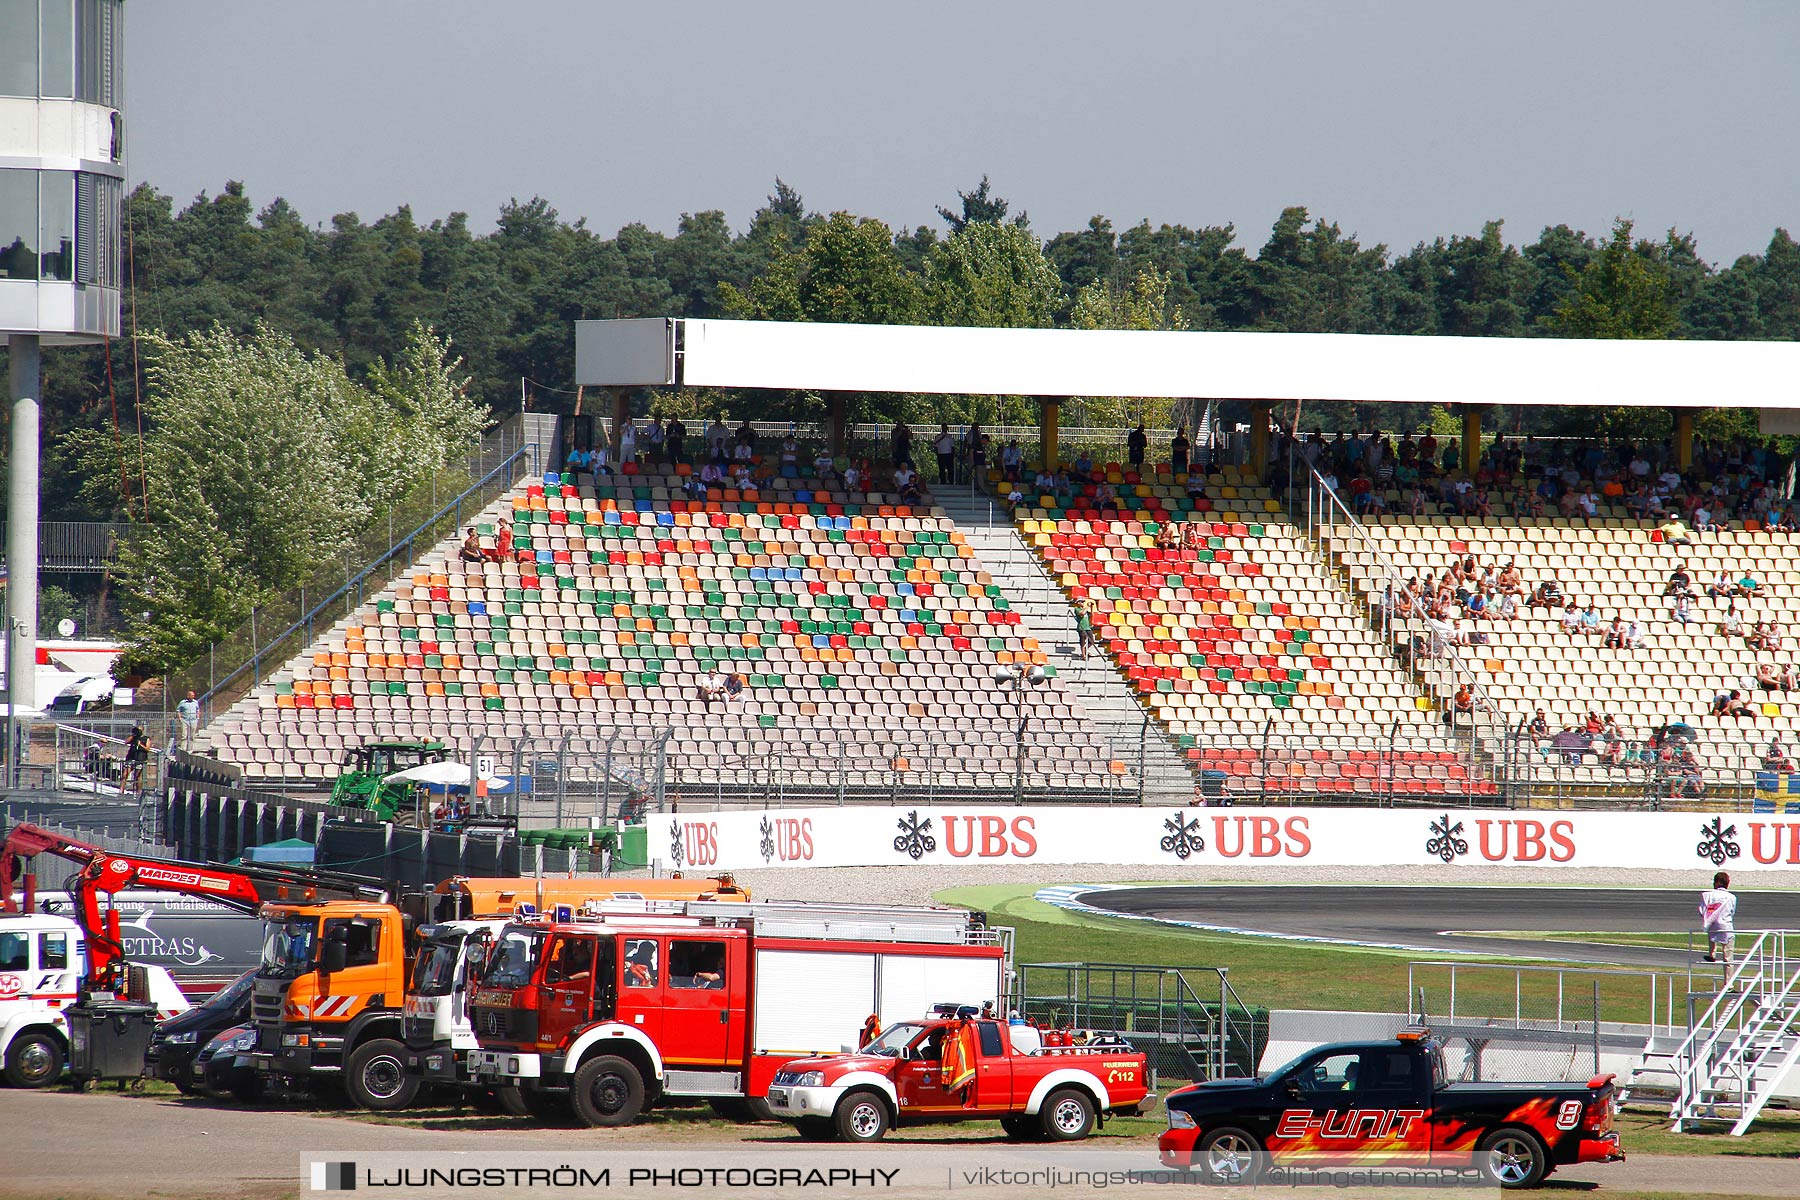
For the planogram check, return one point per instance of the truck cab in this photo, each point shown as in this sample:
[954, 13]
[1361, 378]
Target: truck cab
[42, 966]
[328, 998]
[1060, 1093]
[1390, 1103]
[438, 1033]
[660, 1001]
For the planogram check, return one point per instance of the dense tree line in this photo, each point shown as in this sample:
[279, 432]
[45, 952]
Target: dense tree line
[505, 300]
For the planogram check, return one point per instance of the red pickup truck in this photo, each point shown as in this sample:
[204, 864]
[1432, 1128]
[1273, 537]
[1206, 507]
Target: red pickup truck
[1059, 1093]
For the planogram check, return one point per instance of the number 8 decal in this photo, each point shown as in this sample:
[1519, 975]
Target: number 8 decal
[1569, 1115]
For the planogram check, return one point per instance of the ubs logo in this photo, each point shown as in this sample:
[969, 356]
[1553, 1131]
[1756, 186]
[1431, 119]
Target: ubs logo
[1718, 841]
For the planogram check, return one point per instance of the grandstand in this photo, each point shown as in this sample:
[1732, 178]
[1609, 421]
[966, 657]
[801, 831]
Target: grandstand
[864, 631]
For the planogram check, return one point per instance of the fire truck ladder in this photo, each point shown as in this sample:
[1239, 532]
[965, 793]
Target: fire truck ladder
[1742, 1046]
[819, 920]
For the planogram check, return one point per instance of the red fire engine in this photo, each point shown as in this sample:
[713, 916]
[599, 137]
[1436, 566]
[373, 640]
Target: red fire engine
[608, 1012]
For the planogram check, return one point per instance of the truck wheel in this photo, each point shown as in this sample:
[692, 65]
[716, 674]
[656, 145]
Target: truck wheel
[1067, 1115]
[1512, 1158]
[861, 1117]
[1229, 1156]
[34, 1060]
[511, 1101]
[743, 1110]
[607, 1091]
[376, 1076]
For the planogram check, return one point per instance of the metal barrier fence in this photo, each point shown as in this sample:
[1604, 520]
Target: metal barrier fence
[1507, 1023]
[79, 545]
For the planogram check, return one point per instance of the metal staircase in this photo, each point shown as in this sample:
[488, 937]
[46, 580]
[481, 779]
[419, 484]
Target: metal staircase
[1745, 1041]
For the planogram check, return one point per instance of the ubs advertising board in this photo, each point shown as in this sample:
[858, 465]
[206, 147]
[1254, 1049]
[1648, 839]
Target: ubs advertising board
[844, 837]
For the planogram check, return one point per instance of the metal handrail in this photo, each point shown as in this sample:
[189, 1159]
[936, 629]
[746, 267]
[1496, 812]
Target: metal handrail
[356, 582]
[1323, 501]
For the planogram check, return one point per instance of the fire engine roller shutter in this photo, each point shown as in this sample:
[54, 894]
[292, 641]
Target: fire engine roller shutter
[811, 1002]
[911, 984]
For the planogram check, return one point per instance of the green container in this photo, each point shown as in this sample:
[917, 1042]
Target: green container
[634, 847]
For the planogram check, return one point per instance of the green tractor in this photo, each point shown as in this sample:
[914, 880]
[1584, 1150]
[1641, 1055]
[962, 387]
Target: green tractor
[359, 783]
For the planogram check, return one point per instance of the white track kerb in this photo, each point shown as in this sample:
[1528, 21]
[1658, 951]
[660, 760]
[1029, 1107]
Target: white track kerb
[1216, 837]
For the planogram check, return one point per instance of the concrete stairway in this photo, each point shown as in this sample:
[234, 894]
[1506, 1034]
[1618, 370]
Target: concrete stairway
[1109, 701]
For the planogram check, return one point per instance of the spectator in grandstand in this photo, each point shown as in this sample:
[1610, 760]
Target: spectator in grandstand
[1674, 532]
[1196, 486]
[1749, 585]
[746, 437]
[1571, 744]
[975, 448]
[1106, 499]
[1615, 634]
[1137, 442]
[1731, 704]
[1539, 728]
[694, 488]
[714, 473]
[1758, 637]
[906, 482]
[1768, 677]
[503, 543]
[1634, 634]
[790, 455]
[674, 439]
[712, 686]
[1178, 452]
[628, 443]
[1703, 520]
[1012, 461]
[1730, 625]
[900, 444]
[944, 446]
[187, 716]
[1721, 587]
[1612, 743]
[1043, 483]
[1476, 606]
[137, 753]
[1682, 609]
[743, 452]
[1419, 503]
[1679, 581]
[599, 461]
[471, 546]
[1777, 758]
[1167, 536]
[718, 438]
[654, 438]
[1590, 619]
[1084, 624]
[1462, 707]
[1571, 618]
[733, 685]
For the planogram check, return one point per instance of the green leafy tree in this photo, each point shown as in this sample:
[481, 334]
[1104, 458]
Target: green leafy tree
[979, 207]
[991, 275]
[1624, 291]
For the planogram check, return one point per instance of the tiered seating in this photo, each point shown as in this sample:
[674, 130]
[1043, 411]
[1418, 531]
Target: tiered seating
[1244, 647]
[866, 634]
[1532, 663]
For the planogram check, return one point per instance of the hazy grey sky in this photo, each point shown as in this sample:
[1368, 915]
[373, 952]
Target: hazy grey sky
[1401, 121]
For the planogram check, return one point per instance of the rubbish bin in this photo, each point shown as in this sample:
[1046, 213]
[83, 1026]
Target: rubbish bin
[108, 1038]
[634, 848]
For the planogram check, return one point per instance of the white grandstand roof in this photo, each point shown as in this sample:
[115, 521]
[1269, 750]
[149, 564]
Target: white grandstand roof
[698, 352]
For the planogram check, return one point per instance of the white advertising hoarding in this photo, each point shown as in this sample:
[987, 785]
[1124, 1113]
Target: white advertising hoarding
[844, 837]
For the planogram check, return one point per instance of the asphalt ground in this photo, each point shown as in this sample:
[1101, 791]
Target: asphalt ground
[1441, 920]
[102, 1144]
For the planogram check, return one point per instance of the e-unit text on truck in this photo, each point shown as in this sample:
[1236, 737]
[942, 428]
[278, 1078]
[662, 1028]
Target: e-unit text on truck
[1382, 1104]
[608, 1014]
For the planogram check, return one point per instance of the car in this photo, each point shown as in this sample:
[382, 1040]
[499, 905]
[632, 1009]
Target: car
[1387, 1103]
[179, 1040]
[223, 1065]
[1035, 1091]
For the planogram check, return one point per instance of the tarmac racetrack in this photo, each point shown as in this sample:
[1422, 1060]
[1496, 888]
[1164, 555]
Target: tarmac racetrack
[1443, 920]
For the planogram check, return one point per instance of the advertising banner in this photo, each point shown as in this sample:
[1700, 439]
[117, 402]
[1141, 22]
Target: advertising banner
[845, 837]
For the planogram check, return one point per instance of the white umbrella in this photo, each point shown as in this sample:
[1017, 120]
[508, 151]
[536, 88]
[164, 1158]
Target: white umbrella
[446, 774]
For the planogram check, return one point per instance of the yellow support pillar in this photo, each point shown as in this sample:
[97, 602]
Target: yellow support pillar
[1684, 439]
[1471, 446]
[1260, 411]
[1049, 409]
